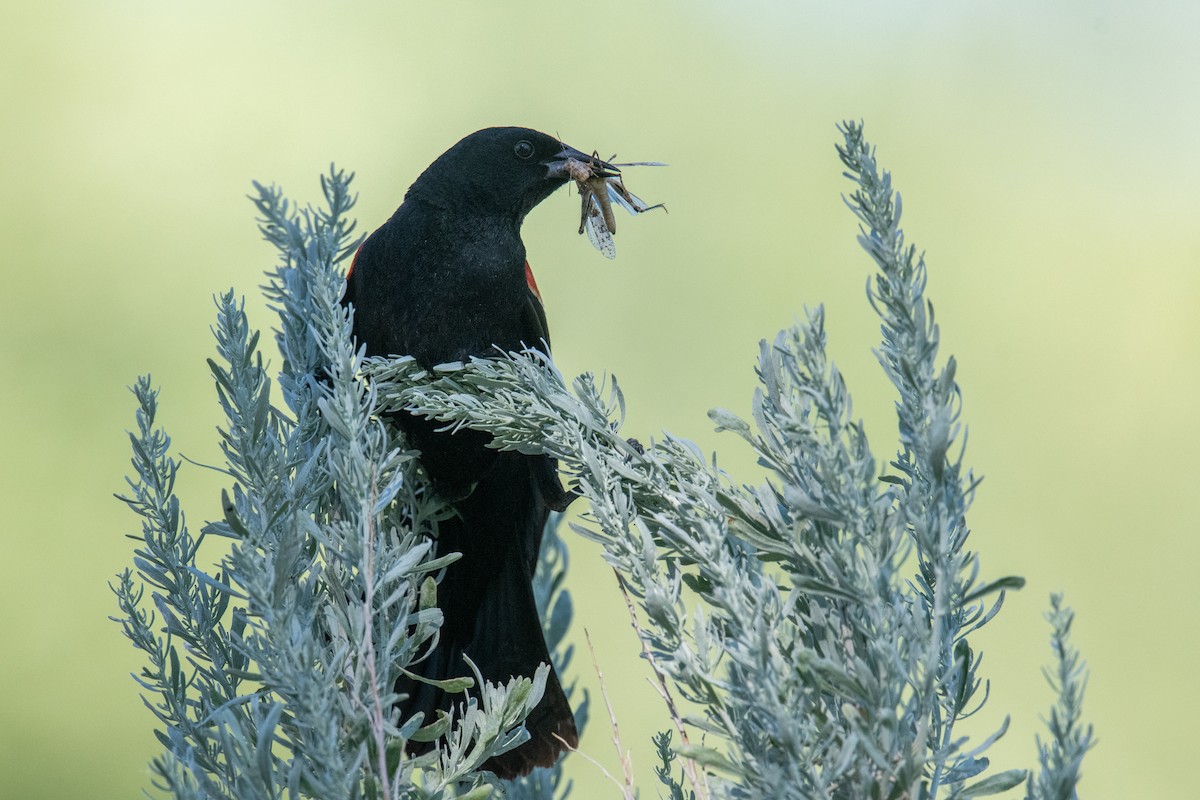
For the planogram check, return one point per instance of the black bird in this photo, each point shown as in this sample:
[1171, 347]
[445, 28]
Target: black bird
[444, 279]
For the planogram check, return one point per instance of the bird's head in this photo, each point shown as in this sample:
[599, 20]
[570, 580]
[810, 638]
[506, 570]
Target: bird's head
[502, 171]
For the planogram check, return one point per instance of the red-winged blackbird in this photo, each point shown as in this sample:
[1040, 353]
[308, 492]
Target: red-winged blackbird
[444, 279]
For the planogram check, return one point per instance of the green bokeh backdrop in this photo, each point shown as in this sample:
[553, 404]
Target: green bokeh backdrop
[1048, 159]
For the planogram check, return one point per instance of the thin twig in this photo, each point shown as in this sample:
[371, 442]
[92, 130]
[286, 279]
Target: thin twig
[623, 755]
[593, 762]
[377, 714]
[698, 778]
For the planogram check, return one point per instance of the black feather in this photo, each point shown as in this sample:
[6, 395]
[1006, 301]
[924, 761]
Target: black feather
[442, 280]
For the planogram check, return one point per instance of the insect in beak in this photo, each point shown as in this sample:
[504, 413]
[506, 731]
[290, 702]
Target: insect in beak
[572, 163]
[597, 193]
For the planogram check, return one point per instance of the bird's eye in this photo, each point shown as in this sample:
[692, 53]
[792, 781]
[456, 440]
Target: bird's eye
[523, 150]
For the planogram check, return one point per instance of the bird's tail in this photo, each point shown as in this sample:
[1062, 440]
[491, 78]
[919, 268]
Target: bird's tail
[508, 641]
[492, 618]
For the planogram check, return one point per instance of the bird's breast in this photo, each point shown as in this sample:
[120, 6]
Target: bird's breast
[466, 292]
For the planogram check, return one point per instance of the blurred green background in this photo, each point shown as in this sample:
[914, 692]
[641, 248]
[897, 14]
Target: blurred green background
[1048, 158]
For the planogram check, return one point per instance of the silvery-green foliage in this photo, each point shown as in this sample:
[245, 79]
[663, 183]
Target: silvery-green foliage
[666, 768]
[272, 674]
[1060, 757]
[820, 624]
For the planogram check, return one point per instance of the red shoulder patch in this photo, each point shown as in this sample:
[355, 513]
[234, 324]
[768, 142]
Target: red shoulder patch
[529, 281]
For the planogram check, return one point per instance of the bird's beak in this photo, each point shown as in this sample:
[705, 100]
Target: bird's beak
[559, 165]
